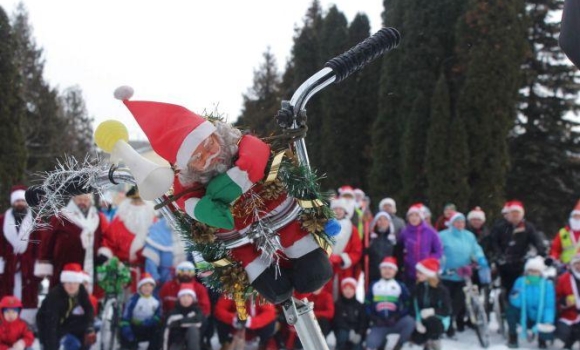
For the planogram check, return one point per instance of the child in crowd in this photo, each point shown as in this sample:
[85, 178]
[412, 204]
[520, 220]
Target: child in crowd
[431, 304]
[388, 308]
[14, 332]
[141, 317]
[65, 317]
[532, 305]
[568, 299]
[349, 322]
[184, 321]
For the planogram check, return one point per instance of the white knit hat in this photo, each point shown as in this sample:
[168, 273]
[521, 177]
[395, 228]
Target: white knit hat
[388, 201]
[535, 263]
[476, 213]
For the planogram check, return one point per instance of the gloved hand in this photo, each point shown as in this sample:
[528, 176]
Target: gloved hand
[482, 262]
[222, 188]
[90, 338]
[101, 259]
[214, 213]
[426, 313]
[19, 345]
[484, 275]
[248, 322]
[127, 333]
[354, 337]
[546, 328]
[192, 318]
[335, 260]
[419, 327]
[549, 261]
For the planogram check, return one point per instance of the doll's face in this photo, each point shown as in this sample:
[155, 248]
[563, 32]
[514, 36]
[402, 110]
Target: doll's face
[205, 155]
[186, 300]
[10, 315]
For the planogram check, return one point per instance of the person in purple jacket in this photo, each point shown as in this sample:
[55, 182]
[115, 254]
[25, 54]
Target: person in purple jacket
[417, 241]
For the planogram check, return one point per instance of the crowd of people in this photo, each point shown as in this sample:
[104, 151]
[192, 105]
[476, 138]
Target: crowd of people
[412, 270]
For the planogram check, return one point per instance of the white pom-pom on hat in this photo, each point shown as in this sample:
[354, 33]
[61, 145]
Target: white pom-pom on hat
[123, 92]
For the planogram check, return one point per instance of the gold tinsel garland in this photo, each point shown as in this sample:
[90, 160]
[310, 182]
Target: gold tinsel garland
[234, 280]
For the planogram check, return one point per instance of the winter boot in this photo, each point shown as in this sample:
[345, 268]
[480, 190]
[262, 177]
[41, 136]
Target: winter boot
[274, 286]
[542, 344]
[513, 341]
[311, 271]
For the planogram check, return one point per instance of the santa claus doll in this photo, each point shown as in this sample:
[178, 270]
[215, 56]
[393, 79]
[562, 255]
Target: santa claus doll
[18, 253]
[220, 175]
[126, 234]
[74, 236]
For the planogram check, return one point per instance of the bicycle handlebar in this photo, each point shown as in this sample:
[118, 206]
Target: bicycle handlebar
[363, 53]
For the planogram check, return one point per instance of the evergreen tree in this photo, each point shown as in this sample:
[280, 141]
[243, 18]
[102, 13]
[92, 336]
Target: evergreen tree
[490, 46]
[76, 125]
[13, 154]
[542, 173]
[262, 101]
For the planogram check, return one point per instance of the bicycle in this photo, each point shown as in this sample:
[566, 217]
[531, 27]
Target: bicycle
[113, 276]
[474, 305]
[498, 306]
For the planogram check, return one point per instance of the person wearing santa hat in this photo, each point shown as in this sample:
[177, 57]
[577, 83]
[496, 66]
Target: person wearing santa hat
[125, 236]
[260, 321]
[141, 320]
[476, 224]
[566, 242]
[382, 243]
[74, 236]
[568, 303]
[66, 315]
[15, 334]
[387, 305]
[532, 305]
[350, 322]
[184, 321]
[347, 249]
[218, 170]
[443, 221]
[184, 274]
[390, 206]
[431, 305]
[512, 243]
[18, 255]
[418, 241]
[460, 251]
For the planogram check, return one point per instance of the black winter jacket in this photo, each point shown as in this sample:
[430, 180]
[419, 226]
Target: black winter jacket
[349, 314]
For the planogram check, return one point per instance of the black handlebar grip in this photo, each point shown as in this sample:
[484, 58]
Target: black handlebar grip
[364, 53]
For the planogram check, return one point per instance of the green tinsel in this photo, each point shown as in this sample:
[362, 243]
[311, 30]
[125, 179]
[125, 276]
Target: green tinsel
[113, 276]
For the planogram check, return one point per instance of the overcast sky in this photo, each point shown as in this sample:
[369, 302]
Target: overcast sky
[195, 53]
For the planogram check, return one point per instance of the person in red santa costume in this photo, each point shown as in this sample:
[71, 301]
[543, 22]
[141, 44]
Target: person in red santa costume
[568, 302]
[74, 236]
[218, 169]
[126, 234]
[347, 249]
[18, 255]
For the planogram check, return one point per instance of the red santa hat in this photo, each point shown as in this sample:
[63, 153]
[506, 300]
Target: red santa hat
[86, 277]
[418, 209]
[146, 278]
[72, 273]
[10, 302]
[576, 209]
[17, 193]
[515, 206]
[389, 261]
[476, 213]
[429, 267]
[505, 208]
[174, 131]
[187, 289]
[349, 281]
[346, 190]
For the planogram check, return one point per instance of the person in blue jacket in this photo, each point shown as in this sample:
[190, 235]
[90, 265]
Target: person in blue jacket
[532, 305]
[141, 318]
[460, 251]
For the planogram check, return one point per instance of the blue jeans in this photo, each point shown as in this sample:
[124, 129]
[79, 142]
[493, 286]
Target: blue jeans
[342, 342]
[404, 328]
[70, 342]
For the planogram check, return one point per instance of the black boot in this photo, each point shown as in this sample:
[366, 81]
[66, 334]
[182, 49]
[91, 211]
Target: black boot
[513, 341]
[542, 344]
[311, 271]
[274, 286]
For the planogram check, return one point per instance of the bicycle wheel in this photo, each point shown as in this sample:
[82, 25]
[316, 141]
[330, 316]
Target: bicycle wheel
[479, 320]
[108, 328]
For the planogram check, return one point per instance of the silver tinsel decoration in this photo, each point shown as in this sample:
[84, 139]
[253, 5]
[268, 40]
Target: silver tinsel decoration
[261, 234]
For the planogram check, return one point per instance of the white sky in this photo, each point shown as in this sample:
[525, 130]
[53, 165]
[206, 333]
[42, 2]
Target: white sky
[189, 52]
